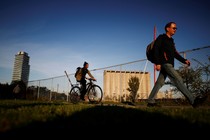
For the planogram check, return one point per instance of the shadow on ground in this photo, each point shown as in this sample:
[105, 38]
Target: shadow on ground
[111, 122]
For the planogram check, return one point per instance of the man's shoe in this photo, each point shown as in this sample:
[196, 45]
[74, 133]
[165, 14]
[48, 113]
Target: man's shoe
[153, 105]
[199, 100]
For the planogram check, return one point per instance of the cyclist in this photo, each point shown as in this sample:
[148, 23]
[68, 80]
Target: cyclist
[81, 77]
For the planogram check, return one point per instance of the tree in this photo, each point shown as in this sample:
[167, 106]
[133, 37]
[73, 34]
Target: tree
[204, 69]
[18, 89]
[191, 77]
[196, 78]
[5, 92]
[133, 84]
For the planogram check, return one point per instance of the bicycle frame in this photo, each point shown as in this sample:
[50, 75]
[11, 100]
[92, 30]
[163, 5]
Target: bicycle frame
[89, 84]
[74, 94]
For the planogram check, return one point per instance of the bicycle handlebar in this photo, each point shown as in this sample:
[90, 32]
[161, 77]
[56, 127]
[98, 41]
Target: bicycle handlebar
[90, 79]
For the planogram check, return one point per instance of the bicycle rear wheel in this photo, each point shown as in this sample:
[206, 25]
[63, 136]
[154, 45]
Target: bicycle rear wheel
[74, 95]
[95, 94]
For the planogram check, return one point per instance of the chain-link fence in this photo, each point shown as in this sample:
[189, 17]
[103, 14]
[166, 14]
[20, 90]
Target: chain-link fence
[57, 88]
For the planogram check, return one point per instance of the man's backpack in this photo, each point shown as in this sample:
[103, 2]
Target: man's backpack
[77, 71]
[150, 51]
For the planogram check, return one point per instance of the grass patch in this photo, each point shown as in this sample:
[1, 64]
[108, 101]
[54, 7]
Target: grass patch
[18, 117]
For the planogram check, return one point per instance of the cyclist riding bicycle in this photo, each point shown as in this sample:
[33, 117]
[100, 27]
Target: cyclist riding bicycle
[81, 77]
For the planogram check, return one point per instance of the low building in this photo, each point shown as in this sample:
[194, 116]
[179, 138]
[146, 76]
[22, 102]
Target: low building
[116, 84]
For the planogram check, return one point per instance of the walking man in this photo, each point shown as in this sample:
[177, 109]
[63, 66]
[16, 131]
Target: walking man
[165, 53]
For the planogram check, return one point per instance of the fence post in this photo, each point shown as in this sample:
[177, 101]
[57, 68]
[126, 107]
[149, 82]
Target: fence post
[51, 90]
[38, 89]
[120, 82]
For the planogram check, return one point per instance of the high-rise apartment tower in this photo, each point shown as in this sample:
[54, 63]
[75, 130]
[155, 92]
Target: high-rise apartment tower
[21, 67]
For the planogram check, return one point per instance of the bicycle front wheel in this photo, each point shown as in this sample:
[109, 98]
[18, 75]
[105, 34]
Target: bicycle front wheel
[74, 95]
[95, 94]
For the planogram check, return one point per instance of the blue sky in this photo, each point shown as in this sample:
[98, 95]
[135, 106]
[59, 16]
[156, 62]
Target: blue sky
[60, 35]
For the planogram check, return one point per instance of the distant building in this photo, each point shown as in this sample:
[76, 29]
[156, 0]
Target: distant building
[116, 84]
[21, 67]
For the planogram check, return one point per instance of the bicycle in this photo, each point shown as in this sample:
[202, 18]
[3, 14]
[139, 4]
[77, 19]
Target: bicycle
[94, 92]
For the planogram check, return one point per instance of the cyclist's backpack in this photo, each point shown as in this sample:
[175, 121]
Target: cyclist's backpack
[77, 70]
[150, 51]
